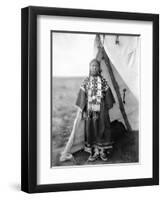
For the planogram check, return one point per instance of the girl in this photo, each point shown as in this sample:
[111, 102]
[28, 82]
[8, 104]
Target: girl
[94, 100]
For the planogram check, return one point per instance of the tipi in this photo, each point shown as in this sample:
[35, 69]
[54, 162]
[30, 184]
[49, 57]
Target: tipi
[119, 57]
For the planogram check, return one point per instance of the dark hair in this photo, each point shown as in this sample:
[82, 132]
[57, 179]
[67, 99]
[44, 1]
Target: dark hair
[95, 60]
[98, 62]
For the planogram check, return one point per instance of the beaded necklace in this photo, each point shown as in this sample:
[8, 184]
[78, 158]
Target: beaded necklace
[94, 93]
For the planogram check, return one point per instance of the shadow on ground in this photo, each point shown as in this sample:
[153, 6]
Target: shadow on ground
[125, 150]
[65, 90]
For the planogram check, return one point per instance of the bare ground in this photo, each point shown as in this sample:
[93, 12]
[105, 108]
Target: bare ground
[63, 114]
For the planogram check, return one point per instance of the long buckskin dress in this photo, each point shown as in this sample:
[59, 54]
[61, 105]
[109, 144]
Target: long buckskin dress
[95, 99]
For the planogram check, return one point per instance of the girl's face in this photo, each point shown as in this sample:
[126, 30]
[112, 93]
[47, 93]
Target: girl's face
[94, 68]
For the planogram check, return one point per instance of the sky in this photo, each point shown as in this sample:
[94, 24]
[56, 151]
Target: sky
[71, 54]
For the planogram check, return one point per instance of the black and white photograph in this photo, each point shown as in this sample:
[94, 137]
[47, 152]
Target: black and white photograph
[95, 95]
[90, 92]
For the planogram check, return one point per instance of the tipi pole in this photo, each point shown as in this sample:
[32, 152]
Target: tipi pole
[103, 55]
[116, 87]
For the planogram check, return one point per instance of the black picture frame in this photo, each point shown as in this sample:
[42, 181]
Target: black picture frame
[29, 98]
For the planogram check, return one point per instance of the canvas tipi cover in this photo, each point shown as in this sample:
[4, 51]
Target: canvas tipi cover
[123, 57]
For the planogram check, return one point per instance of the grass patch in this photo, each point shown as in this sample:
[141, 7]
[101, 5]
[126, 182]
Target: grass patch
[64, 95]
